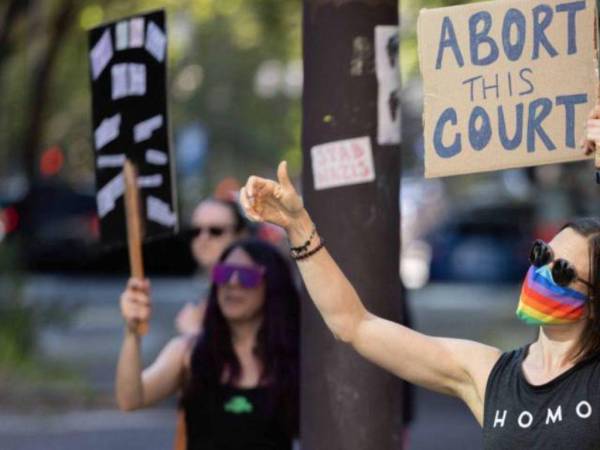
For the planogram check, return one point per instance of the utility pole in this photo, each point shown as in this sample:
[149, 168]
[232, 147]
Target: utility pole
[347, 402]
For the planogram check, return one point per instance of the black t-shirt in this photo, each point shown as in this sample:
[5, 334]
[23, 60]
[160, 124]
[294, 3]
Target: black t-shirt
[561, 414]
[230, 418]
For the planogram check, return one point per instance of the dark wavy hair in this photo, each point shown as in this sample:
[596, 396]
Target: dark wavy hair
[589, 342]
[277, 343]
[240, 221]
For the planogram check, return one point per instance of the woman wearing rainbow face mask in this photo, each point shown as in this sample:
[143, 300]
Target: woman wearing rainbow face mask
[545, 395]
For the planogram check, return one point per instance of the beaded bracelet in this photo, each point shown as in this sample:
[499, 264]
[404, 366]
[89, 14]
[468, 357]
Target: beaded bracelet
[309, 253]
[297, 251]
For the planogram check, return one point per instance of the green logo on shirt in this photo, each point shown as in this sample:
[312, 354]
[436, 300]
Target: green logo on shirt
[238, 405]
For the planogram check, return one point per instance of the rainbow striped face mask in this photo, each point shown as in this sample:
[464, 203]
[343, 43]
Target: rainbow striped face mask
[543, 302]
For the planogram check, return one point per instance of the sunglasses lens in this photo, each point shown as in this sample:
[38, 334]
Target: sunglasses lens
[216, 231]
[563, 272]
[222, 273]
[541, 253]
[249, 278]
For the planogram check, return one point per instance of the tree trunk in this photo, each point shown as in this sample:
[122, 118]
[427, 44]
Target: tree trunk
[347, 402]
[10, 16]
[40, 84]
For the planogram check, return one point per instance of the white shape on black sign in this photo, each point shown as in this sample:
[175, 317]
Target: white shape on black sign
[156, 157]
[156, 42]
[136, 32]
[109, 161]
[109, 193]
[128, 79]
[143, 130]
[107, 131]
[150, 181]
[159, 211]
[137, 79]
[101, 54]
[122, 33]
[119, 81]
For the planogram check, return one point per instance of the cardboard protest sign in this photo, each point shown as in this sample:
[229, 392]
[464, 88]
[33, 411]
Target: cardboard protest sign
[507, 83]
[129, 113]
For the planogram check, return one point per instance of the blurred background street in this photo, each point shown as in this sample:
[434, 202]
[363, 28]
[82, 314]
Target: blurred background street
[79, 411]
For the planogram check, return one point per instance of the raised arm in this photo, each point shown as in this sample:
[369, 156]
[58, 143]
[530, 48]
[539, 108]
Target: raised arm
[136, 388]
[451, 366]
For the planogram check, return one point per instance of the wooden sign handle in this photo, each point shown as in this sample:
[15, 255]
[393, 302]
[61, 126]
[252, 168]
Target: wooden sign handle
[134, 228]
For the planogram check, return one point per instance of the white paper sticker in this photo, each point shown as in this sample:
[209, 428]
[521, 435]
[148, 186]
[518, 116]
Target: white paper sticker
[137, 79]
[388, 78]
[156, 157]
[144, 130]
[128, 79]
[110, 161]
[107, 131]
[136, 32]
[150, 181]
[156, 42]
[101, 54]
[342, 163]
[108, 195]
[122, 35]
[160, 212]
[119, 81]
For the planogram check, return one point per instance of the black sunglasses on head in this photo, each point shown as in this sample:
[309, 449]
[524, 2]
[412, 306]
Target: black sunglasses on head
[563, 271]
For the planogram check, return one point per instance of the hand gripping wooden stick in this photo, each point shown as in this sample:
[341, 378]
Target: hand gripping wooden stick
[134, 228]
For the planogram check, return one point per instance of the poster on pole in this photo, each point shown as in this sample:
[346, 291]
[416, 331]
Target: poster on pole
[507, 83]
[127, 60]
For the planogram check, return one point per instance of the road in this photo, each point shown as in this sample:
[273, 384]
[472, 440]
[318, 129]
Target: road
[91, 343]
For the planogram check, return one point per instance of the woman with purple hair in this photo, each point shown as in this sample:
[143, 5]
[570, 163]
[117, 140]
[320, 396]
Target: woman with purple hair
[238, 379]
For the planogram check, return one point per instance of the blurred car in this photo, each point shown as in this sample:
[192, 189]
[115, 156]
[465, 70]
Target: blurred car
[486, 242]
[58, 230]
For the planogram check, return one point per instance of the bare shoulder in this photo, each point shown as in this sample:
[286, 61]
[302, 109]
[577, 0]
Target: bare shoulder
[185, 344]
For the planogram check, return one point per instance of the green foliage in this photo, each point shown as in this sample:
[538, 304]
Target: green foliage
[21, 321]
[215, 50]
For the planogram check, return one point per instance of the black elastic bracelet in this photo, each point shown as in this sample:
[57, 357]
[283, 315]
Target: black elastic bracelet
[295, 251]
[309, 253]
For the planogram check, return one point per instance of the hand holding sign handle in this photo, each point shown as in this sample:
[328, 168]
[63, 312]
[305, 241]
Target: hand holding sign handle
[134, 228]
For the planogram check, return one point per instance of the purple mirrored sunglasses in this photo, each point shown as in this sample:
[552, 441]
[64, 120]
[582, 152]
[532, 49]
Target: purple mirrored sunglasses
[249, 277]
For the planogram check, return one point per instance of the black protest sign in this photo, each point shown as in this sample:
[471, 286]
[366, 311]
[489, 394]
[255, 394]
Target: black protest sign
[129, 112]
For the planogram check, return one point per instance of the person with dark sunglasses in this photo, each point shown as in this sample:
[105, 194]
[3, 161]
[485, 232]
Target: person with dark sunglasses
[238, 379]
[215, 224]
[545, 395]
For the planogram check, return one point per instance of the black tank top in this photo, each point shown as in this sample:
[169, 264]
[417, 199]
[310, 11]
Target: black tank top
[229, 418]
[561, 414]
